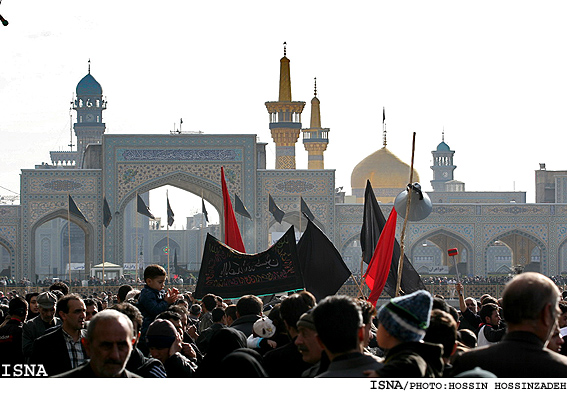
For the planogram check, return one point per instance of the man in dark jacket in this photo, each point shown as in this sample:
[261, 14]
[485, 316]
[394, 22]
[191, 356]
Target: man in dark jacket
[108, 342]
[248, 310]
[219, 321]
[402, 326]
[286, 361]
[340, 331]
[61, 349]
[490, 331]
[146, 367]
[11, 333]
[530, 308]
[37, 326]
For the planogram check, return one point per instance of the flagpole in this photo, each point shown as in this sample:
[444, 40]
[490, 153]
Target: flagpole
[361, 268]
[69, 233]
[361, 275]
[300, 215]
[402, 238]
[268, 232]
[201, 246]
[103, 251]
[238, 223]
[137, 241]
[167, 214]
[359, 285]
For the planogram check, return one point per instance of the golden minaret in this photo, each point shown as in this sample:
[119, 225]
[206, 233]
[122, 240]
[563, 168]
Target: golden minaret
[285, 119]
[315, 138]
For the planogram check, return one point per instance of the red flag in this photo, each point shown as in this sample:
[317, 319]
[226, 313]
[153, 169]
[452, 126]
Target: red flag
[232, 235]
[379, 266]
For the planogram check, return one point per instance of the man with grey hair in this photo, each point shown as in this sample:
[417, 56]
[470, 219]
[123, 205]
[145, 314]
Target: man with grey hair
[530, 308]
[108, 345]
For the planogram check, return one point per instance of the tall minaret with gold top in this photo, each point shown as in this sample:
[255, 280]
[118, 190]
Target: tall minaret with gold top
[315, 138]
[285, 119]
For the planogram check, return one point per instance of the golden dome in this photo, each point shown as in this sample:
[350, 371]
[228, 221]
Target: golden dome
[385, 171]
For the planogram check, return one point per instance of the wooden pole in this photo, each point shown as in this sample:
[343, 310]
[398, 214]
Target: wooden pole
[361, 268]
[360, 291]
[103, 251]
[300, 216]
[137, 242]
[167, 215]
[402, 238]
[69, 233]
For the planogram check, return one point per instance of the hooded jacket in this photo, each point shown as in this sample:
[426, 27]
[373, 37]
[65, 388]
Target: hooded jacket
[413, 360]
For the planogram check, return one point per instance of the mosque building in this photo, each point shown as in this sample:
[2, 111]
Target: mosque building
[495, 232]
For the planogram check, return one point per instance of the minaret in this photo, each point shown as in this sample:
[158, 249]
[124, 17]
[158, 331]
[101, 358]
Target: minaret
[315, 138]
[89, 105]
[443, 166]
[285, 119]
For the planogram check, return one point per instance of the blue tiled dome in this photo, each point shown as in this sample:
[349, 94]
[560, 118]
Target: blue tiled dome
[88, 86]
[443, 147]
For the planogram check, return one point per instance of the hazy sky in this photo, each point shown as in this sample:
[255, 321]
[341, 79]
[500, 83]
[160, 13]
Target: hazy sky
[491, 74]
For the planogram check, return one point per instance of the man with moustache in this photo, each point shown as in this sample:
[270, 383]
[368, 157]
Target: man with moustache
[311, 350]
[61, 349]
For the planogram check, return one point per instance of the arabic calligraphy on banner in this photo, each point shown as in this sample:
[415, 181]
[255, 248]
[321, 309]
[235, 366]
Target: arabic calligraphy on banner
[231, 274]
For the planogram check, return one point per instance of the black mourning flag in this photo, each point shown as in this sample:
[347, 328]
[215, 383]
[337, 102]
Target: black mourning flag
[106, 215]
[170, 214]
[373, 222]
[306, 211]
[322, 267]
[175, 268]
[230, 274]
[240, 208]
[204, 210]
[74, 209]
[275, 210]
[142, 208]
[372, 225]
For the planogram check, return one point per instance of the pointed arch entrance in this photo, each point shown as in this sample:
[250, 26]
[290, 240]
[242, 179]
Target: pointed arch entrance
[526, 252]
[429, 254]
[191, 162]
[188, 182]
[80, 267]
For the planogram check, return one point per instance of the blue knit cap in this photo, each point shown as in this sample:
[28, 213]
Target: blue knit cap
[407, 317]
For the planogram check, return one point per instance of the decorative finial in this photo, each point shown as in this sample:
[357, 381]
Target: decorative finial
[89, 66]
[315, 86]
[284, 48]
[384, 143]
[443, 135]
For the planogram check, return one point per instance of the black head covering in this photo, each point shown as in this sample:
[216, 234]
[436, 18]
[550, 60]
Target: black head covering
[243, 363]
[223, 342]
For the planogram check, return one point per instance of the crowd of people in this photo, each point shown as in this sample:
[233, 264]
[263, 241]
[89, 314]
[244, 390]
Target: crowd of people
[89, 281]
[165, 333]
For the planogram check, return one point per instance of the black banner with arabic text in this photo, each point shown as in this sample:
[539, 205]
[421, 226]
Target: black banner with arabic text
[230, 274]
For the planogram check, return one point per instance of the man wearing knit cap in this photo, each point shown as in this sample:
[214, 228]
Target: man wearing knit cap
[311, 350]
[340, 330]
[164, 342]
[402, 324]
